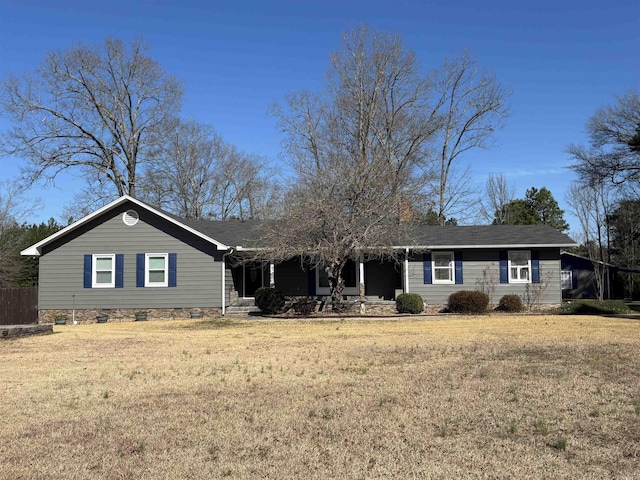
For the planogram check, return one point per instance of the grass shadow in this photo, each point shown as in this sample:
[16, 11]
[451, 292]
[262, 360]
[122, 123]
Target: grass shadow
[217, 324]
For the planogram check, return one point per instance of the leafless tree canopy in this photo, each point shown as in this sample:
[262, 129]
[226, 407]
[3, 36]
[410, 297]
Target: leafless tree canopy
[102, 109]
[376, 110]
[592, 204]
[360, 151]
[472, 105]
[614, 150]
[498, 195]
[197, 175]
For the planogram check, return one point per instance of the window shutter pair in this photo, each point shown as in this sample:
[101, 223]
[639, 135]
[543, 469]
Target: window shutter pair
[427, 271]
[119, 270]
[88, 270]
[535, 266]
[173, 271]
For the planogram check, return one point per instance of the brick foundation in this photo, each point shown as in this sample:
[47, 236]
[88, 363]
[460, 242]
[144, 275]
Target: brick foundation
[125, 314]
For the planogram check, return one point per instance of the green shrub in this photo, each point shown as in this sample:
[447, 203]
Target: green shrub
[468, 301]
[269, 300]
[409, 303]
[593, 307]
[305, 306]
[510, 303]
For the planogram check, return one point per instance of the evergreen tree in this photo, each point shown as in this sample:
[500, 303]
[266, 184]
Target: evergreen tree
[538, 207]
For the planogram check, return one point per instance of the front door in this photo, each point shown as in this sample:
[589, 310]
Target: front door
[254, 276]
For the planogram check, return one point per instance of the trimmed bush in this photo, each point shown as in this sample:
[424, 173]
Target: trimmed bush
[305, 306]
[510, 303]
[409, 303]
[593, 307]
[468, 301]
[269, 300]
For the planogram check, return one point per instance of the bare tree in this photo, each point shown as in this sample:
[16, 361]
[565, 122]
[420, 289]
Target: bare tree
[247, 187]
[360, 151]
[535, 293]
[591, 203]
[498, 195]
[181, 178]
[489, 281]
[101, 109]
[614, 151]
[197, 175]
[472, 105]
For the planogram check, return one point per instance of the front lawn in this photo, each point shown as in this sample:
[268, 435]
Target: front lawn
[455, 397]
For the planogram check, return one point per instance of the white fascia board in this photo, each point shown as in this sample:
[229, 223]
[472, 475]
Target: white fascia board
[36, 249]
[459, 247]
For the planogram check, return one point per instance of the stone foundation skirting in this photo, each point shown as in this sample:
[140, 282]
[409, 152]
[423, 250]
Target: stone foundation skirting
[124, 314]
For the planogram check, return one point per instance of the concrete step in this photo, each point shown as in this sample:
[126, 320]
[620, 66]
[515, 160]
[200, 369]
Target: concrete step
[242, 310]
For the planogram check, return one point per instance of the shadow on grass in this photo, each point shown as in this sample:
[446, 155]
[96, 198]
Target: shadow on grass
[628, 316]
[217, 324]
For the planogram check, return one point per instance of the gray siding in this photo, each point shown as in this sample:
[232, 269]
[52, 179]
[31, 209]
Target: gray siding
[474, 263]
[198, 266]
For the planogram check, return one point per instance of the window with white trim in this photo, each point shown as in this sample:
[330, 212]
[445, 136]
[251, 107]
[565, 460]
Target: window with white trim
[519, 266]
[566, 279]
[156, 270]
[349, 274]
[103, 275]
[442, 266]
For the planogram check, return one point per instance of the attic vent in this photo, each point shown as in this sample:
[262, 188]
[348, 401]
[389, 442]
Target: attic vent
[130, 217]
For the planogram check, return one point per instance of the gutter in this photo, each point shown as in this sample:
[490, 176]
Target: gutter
[224, 274]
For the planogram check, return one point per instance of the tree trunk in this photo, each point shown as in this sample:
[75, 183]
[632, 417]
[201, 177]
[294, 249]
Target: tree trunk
[336, 283]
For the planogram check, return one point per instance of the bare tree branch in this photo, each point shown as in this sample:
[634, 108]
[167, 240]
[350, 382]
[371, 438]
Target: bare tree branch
[102, 109]
[472, 105]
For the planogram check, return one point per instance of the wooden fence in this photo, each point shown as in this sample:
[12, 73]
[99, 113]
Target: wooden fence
[18, 306]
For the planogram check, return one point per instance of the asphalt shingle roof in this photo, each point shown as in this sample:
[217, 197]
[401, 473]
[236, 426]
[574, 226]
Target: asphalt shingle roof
[246, 233]
[488, 235]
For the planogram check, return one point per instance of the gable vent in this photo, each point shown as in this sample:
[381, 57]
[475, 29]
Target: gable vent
[130, 217]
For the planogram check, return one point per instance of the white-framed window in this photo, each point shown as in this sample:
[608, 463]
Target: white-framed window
[519, 266]
[156, 270]
[103, 275]
[350, 275]
[442, 266]
[566, 279]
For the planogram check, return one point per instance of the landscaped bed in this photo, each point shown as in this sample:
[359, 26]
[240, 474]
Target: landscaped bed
[426, 397]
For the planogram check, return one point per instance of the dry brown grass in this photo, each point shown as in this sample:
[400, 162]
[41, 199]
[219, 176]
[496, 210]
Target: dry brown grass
[461, 397]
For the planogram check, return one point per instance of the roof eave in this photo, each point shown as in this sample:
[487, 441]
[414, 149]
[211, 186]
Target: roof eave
[36, 249]
[506, 245]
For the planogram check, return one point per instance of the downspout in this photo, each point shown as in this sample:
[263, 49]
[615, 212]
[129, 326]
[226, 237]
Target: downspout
[224, 275]
[406, 270]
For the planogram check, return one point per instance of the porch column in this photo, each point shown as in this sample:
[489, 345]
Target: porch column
[361, 265]
[405, 271]
[272, 275]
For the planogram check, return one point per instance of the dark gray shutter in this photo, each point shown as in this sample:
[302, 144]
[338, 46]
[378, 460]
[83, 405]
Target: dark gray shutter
[458, 267]
[139, 269]
[426, 267]
[173, 260]
[504, 267]
[119, 270]
[535, 266]
[87, 271]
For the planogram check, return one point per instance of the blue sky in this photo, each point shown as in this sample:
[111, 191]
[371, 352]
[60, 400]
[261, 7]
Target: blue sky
[562, 60]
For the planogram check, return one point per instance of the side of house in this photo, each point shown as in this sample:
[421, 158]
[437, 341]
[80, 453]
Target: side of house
[578, 278]
[128, 257]
[526, 272]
